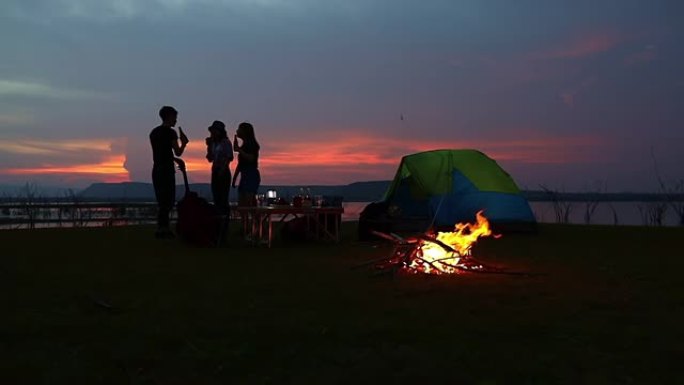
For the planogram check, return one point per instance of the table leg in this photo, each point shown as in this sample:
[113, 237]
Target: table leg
[261, 228]
[337, 228]
[245, 224]
[256, 221]
[270, 230]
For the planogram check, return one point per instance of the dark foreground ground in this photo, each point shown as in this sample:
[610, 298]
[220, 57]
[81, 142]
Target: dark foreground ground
[114, 305]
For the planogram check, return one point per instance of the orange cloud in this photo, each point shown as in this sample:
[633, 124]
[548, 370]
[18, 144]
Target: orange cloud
[110, 169]
[68, 158]
[351, 157]
[336, 157]
[56, 147]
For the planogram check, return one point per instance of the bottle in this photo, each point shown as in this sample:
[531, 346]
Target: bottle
[307, 198]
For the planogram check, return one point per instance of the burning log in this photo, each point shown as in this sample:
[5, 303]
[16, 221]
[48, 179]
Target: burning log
[441, 253]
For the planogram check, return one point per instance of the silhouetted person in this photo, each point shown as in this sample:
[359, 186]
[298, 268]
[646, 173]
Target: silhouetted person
[220, 154]
[164, 142]
[248, 165]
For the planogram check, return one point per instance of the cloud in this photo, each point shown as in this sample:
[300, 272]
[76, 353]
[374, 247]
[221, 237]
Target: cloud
[568, 96]
[644, 56]
[112, 10]
[539, 65]
[40, 90]
[109, 169]
[93, 159]
[19, 118]
[56, 147]
[337, 158]
[583, 46]
[345, 156]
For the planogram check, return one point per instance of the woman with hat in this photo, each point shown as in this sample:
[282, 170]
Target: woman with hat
[220, 154]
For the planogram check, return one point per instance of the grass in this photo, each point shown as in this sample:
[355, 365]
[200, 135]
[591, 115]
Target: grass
[115, 306]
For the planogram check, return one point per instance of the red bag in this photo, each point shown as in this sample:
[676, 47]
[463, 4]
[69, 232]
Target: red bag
[198, 222]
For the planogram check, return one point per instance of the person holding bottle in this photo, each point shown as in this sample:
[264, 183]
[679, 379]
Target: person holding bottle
[164, 141]
[247, 169]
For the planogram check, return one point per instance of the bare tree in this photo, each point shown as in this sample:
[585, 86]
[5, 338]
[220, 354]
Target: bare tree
[562, 209]
[79, 215]
[674, 192]
[653, 213]
[592, 199]
[614, 212]
[29, 198]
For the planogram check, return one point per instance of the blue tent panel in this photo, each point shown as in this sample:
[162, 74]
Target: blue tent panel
[462, 203]
[497, 207]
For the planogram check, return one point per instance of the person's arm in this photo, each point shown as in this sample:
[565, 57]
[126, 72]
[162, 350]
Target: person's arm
[181, 163]
[249, 156]
[210, 150]
[178, 150]
[241, 150]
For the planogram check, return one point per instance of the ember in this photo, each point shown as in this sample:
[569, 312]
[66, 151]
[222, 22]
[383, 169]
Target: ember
[445, 253]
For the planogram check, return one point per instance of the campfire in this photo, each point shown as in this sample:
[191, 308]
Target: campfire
[441, 253]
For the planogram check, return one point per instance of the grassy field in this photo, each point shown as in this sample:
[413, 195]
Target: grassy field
[114, 305]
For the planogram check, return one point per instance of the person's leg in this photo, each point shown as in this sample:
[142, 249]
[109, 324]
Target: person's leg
[257, 180]
[249, 185]
[221, 185]
[164, 188]
[216, 189]
[247, 197]
[158, 195]
[243, 215]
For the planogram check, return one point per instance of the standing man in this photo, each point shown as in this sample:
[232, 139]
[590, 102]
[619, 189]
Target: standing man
[164, 142]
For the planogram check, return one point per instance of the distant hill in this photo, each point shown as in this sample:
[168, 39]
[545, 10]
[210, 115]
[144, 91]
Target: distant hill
[119, 191]
[36, 190]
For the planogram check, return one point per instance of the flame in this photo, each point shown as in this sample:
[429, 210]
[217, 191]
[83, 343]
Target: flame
[433, 258]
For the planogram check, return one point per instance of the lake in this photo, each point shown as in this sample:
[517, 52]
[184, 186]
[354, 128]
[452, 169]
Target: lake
[605, 213]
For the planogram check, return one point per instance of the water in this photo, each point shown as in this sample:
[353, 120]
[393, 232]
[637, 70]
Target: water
[606, 213]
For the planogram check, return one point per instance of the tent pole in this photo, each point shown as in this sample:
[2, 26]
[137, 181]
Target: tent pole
[434, 217]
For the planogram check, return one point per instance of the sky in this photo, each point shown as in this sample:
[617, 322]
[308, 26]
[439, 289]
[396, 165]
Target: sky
[570, 95]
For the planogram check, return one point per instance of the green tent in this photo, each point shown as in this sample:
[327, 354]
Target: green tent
[445, 187]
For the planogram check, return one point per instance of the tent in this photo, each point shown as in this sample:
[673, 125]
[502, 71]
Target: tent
[443, 187]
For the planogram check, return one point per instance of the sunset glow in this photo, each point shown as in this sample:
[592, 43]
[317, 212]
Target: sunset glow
[55, 147]
[338, 158]
[109, 170]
